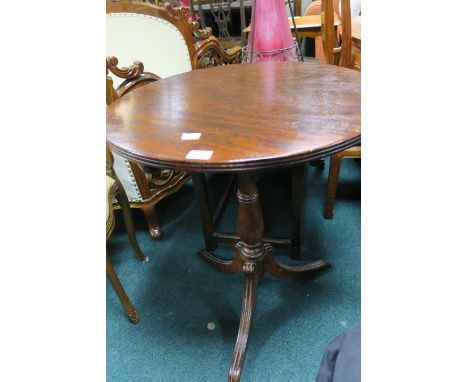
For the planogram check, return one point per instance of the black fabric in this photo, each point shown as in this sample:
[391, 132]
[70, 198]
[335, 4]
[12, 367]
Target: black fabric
[342, 359]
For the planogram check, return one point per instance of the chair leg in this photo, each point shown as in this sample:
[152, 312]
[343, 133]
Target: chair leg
[153, 224]
[127, 216]
[333, 175]
[298, 190]
[201, 194]
[126, 303]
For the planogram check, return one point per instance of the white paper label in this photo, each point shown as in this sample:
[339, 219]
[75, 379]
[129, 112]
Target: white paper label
[190, 136]
[199, 154]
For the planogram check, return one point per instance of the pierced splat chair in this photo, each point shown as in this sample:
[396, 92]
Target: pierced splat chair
[337, 51]
[169, 43]
[115, 191]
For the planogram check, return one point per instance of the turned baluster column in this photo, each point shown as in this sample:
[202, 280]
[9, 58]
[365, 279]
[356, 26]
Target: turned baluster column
[251, 251]
[249, 218]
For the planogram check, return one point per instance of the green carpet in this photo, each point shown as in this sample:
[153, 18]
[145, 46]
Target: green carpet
[177, 294]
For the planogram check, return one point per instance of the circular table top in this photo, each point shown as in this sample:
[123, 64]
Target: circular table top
[251, 116]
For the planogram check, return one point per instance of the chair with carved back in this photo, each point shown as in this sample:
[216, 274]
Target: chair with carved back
[115, 191]
[145, 189]
[169, 43]
[337, 51]
[164, 38]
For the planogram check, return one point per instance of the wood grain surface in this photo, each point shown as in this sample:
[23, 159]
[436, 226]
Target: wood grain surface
[252, 116]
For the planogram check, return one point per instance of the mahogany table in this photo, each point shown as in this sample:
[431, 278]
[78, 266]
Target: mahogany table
[251, 117]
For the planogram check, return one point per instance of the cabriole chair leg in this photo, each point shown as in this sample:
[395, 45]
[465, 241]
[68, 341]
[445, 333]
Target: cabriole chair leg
[127, 216]
[153, 224]
[126, 303]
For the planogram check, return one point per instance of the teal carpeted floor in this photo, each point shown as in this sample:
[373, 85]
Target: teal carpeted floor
[177, 295]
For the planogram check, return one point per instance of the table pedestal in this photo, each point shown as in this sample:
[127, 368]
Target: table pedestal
[253, 259]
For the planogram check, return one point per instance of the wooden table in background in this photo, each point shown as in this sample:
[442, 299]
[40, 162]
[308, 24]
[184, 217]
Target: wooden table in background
[307, 26]
[252, 117]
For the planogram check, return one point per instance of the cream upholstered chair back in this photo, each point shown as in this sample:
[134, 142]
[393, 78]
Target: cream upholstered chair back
[159, 37]
[152, 40]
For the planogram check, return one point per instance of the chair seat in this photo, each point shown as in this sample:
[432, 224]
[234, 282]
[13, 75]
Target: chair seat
[352, 152]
